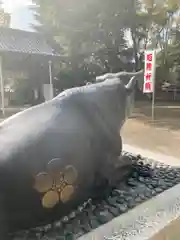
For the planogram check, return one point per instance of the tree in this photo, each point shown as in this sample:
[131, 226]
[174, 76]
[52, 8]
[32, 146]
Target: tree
[156, 25]
[91, 32]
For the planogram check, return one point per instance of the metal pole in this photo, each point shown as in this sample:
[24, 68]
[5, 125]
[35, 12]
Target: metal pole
[2, 88]
[153, 102]
[154, 84]
[50, 80]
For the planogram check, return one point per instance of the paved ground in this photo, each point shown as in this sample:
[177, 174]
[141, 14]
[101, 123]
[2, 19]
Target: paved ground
[151, 142]
[161, 136]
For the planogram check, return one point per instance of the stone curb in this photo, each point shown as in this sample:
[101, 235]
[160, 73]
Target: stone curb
[142, 222]
[169, 160]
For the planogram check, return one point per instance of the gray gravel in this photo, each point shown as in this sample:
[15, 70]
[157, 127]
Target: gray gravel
[147, 180]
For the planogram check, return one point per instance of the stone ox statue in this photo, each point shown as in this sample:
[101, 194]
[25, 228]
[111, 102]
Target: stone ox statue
[57, 155]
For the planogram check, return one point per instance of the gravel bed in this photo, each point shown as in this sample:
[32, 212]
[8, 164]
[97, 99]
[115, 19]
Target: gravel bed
[148, 179]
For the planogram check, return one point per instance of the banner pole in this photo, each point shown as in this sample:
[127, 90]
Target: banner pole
[153, 104]
[154, 84]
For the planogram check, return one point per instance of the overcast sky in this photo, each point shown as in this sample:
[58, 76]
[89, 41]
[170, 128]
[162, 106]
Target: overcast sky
[21, 16]
[12, 5]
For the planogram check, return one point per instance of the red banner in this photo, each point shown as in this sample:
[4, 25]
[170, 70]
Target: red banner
[149, 72]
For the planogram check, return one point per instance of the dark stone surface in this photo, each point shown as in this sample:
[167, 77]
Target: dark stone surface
[124, 197]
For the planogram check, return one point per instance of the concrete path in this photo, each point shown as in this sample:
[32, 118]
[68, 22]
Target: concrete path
[151, 138]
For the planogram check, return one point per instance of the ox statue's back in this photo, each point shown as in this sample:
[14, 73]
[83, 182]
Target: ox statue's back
[56, 155]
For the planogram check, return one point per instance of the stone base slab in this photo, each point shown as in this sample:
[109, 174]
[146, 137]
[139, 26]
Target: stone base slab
[156, 219]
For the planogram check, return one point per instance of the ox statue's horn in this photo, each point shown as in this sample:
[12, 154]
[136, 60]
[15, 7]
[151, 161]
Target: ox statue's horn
[117, 75]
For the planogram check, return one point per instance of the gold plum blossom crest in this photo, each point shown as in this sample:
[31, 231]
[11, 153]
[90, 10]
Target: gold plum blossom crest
[55, 185]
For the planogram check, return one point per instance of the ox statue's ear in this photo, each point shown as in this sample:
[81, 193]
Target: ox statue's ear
[131, 85]
[136, 78]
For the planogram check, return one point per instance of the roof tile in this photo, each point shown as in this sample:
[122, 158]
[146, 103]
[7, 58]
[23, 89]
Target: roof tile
[13, 40]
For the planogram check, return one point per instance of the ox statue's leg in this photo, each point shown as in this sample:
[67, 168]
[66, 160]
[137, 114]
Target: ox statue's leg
[112, 173]
[117, 167]
[114, 169]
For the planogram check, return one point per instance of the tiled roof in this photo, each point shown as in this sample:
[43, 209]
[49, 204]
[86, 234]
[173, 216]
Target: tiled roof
[13, 40]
